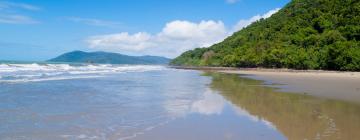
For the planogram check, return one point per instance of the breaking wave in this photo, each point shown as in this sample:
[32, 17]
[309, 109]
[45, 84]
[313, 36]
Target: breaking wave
[14, 73]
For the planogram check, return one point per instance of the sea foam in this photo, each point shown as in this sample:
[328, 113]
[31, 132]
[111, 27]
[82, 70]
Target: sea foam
[14, 73]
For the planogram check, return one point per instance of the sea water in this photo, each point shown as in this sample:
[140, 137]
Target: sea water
[44, 101]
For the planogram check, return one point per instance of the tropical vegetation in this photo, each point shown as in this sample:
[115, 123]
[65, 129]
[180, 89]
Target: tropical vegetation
[305, 34]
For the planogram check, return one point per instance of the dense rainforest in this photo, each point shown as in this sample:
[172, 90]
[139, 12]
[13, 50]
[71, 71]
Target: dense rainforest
[305, 34]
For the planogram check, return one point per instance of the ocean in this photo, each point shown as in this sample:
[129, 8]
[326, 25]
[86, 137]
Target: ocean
[41, 101]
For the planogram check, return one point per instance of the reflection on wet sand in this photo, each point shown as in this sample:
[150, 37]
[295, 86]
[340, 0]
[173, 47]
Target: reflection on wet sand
[297, 116]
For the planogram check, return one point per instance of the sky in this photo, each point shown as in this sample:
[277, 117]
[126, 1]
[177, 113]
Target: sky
[37, 30]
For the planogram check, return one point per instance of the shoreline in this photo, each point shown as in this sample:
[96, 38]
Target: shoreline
[337, 85]
[260, 69]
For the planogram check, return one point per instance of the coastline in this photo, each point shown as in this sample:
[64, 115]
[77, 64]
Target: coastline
[337, 85]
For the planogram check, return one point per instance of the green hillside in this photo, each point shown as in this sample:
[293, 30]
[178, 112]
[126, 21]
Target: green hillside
[305, 34]
[108, 58]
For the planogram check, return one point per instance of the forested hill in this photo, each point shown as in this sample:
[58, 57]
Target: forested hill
[305, 34]
[108, 58]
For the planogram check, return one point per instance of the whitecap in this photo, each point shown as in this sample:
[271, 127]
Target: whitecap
[14, 73]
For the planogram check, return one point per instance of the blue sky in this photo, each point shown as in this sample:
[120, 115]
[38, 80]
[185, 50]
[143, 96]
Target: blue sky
[36, 30]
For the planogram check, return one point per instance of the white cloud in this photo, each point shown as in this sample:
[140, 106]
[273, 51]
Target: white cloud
[17, 19]
[9, 12]
[94, 22]
[175, 37]
[204, 31]
[245, 22]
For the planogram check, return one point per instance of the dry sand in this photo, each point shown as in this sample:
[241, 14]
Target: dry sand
[328, 84]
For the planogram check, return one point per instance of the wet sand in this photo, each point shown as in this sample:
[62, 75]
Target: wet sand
[328, 84]
[253, 111]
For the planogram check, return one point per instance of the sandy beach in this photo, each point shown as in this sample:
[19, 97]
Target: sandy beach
[328, 84]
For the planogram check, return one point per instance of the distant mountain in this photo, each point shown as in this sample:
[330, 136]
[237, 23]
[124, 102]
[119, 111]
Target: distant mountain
[305, 34]
[108, 58]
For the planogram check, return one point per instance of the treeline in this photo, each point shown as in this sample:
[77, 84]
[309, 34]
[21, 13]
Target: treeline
[305, 34]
